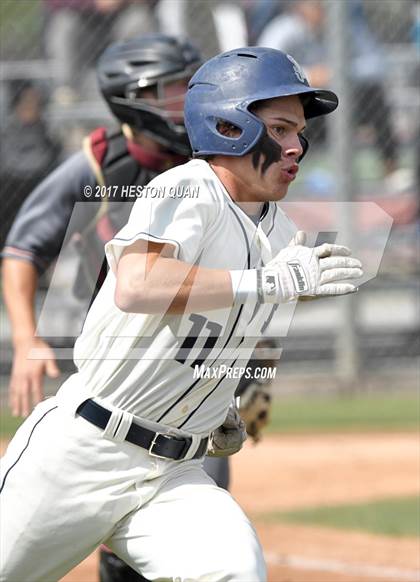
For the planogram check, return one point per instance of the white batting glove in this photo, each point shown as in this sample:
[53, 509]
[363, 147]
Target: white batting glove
[299, 271]
[229, 438]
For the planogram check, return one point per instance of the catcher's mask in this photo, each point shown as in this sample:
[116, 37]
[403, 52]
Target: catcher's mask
[144, 80]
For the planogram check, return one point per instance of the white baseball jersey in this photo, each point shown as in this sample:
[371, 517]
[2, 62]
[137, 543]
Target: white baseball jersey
[147, 364]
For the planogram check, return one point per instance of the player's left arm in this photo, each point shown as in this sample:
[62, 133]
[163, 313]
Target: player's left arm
[228, 438]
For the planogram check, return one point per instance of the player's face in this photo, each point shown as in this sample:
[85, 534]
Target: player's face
[284, 121]
[267, 173]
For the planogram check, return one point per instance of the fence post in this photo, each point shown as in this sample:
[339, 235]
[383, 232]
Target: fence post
[339, 39]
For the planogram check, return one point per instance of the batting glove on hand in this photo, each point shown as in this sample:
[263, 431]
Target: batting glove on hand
[228, 438]
[300, 271]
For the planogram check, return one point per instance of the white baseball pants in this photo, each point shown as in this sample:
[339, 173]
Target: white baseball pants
[65, 489]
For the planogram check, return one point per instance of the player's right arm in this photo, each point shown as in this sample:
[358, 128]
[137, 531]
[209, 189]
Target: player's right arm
[33, 243]
[156, 261]
[150, 280]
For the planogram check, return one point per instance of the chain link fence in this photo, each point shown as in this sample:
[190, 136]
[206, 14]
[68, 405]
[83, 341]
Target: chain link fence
[50, 100]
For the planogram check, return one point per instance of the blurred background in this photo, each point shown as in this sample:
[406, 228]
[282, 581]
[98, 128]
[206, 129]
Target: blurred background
[347, 365]
[368, 152]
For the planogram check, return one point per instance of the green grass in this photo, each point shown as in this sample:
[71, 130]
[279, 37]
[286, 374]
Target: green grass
[390, 517]
[323, 414]
[8, 424]
[379, 412]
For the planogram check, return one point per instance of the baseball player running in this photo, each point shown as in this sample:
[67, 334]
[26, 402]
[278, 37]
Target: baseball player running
[148, 142]
[152, 139]
[116, 456]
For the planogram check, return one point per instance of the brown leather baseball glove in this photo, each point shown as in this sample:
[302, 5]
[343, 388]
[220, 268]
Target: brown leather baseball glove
[255, 394]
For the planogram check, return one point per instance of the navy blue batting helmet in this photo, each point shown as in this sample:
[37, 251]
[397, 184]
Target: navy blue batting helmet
[224, 88]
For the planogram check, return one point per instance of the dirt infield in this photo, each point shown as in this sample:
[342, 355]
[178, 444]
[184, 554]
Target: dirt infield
[304, 470]
[298, 471]
[286, 472]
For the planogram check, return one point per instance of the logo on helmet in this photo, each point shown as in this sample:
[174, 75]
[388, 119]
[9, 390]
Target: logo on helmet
[298, 70]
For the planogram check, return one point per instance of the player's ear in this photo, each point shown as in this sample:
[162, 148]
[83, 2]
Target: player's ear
[228, 129]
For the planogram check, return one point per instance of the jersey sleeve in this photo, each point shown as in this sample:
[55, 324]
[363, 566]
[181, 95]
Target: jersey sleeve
[47, 216]
[182, 222]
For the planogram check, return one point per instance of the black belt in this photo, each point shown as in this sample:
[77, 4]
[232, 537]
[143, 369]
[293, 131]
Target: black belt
[158, 444]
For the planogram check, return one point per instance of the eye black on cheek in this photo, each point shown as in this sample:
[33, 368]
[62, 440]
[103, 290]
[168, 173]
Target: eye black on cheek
[269, 150]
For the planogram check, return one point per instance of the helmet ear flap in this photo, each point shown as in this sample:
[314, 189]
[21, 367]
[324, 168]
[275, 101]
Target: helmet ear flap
[305, 146]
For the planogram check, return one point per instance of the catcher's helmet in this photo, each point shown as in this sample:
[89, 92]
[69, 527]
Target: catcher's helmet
[148, 61]
[224, 88]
